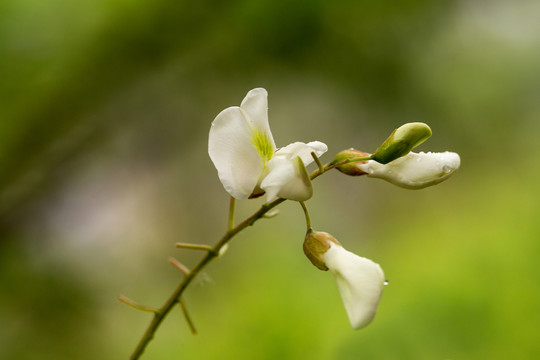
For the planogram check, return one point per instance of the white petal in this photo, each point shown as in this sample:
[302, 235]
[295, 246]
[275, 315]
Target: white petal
[255, 108]
[234, 154]
[415, 170]
[280, 171]
[360, 282]
[303, 150]
[287, 179]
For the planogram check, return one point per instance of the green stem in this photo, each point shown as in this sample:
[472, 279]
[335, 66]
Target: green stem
[325, 168]
[232, 204]
[162, 312]
[175, 297]
[306, 214]
[318, 162]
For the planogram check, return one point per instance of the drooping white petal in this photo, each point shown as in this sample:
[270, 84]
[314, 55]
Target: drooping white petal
[234, 154]
[303, 150]
[415, 170]
[287, 179]
[360, 283]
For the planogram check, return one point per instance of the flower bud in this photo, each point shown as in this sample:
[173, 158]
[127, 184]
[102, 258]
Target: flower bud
[415, 170]
[350, 168]
[401, 142]
[316, 244]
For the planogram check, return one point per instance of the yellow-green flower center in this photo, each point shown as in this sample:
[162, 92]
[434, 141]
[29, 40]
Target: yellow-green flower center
[263, 145]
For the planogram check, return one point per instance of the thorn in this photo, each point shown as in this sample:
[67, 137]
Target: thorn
[177, 264]
[134, 305]
[186, 315]
[194, 247]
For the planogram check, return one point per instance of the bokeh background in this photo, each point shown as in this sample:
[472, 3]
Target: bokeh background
[105, 108]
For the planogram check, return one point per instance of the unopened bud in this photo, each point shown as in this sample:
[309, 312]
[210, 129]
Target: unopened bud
[415, 170]
[316, 244]
[351, 167]
[401, 142]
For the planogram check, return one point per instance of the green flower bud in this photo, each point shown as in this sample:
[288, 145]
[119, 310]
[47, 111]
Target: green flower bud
[401, 142]
[350, 168]
[316, 244]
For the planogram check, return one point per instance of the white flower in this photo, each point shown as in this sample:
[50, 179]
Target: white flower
[244, 153]
[360, 282]
[414, 170]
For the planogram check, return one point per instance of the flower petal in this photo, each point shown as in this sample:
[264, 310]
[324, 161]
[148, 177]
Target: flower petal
[287, 179]
[255, 108]
[234, 153]
[360, 282]
[303, 150]
[414, 170]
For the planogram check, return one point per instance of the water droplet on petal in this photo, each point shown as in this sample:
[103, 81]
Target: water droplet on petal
[386, 282]
[446, 169]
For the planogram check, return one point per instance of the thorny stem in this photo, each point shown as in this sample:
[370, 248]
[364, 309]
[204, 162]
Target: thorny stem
[175, 297]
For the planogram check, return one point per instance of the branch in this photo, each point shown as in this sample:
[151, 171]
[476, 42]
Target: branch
[175, 297]
[162, 312]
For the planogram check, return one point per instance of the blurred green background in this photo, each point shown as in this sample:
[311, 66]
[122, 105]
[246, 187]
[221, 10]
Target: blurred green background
[105, 108]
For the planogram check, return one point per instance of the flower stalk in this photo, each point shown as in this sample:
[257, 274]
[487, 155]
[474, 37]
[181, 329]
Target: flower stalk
[306, 214]
[161, 313]
[174, 298]
[212, 252]
[318, 162]
[232, 206]
[249, 165]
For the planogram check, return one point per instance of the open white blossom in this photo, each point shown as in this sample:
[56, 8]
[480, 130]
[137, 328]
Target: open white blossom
[414, 170]
[244, 153]
[360, 282]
